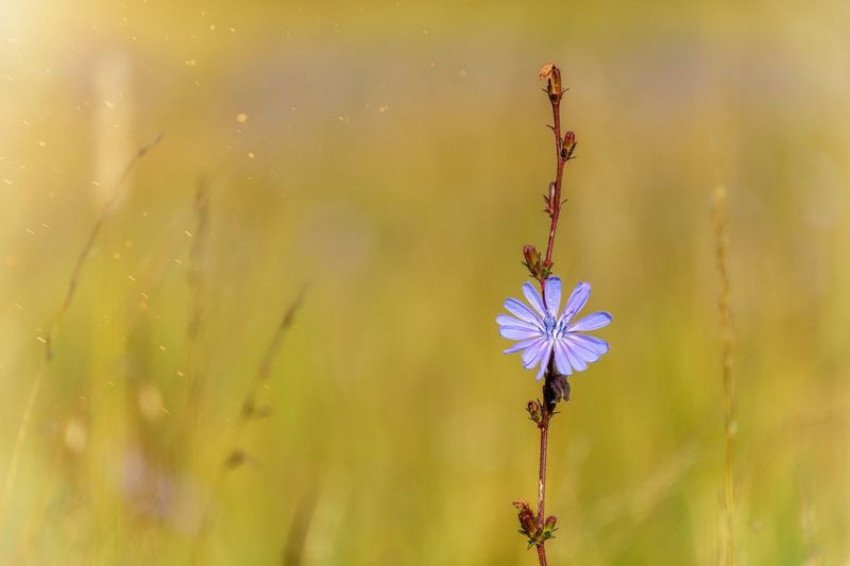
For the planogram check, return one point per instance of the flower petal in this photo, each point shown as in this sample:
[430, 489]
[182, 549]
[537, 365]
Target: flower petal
[553, 295]
[562, 363]
[534, 298]
[578, 363]
[531, 356]
[521, 345]
[592, 322]
[578, 298]
[518, 333]
[521, 311]
[544, 360]
[505, 320]
[590, 348]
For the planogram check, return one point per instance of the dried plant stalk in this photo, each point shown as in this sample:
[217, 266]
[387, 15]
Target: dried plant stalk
[721, 250]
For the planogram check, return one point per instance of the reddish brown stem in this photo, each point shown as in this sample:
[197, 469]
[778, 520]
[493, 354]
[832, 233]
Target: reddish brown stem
[541, 485]
[554, 89]
[555, 196]
[541, 488]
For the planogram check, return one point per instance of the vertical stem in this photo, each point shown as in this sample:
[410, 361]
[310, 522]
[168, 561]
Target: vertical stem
[555, 196]
[541, 555]
[541, 482]
[541, 486]
[725, 310]
[553, 76]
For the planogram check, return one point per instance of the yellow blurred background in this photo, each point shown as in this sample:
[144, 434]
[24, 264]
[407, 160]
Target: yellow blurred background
[390, 157]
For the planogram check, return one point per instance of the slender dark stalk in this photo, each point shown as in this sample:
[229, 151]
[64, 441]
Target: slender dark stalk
[235, 455]
[555, 197]
[50, 338]
[541, 486]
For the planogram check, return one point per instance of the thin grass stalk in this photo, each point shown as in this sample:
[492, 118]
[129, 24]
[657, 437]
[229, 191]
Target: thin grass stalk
[49, 339]
[197, 288]
[721, 241]
[235, 456]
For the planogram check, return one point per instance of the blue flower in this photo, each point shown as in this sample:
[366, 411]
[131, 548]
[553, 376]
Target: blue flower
[541, 332]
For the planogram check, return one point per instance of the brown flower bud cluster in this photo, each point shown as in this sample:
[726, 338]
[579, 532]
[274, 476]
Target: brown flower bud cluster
[533, 260]
[528, 525]
[552, 75]
[568, 145]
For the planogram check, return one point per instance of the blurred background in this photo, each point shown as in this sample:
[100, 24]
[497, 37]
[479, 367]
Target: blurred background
[390, 157]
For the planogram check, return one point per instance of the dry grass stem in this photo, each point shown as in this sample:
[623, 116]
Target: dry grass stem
[49, 339]
[728, 339]
[235, 456]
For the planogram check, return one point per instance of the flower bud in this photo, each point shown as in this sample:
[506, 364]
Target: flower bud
[549, 528]
[527, 522]
[568, 146]
[532, 260]
[552, 75]
[530, 253]
[535, 412]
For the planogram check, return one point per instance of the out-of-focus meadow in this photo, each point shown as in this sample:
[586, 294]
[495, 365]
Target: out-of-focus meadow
[390, 157]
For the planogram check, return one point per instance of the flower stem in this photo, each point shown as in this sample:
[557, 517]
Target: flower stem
[555, 195]
[563, 152]
[541, 482]
[541, 555]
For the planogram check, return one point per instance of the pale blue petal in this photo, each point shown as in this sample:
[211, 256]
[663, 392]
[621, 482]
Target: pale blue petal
[575, 359]
[521, 311]
[531, 356]
[544, 360]
[521, 345]
[553, 295]
[592, 322]
[518, 333]
[505, 320]
[590, 348]
[578, 298]
[534, 298]
[587, 355]
[562, 363]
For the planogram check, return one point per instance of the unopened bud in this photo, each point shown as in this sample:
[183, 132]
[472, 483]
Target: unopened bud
[532, 260]
[569, 145]
[527, 522]
[552, 75]
[535, 411]
[549, 528]
[530, 254]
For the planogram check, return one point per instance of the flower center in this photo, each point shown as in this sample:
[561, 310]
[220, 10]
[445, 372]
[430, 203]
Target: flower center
[550, 326]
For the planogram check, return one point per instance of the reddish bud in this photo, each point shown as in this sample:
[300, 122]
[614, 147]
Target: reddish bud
[568, 146]
[531, 255]
[552, 75]
[532, 260]
[535, 412]
[527, 522]
[549, 528]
